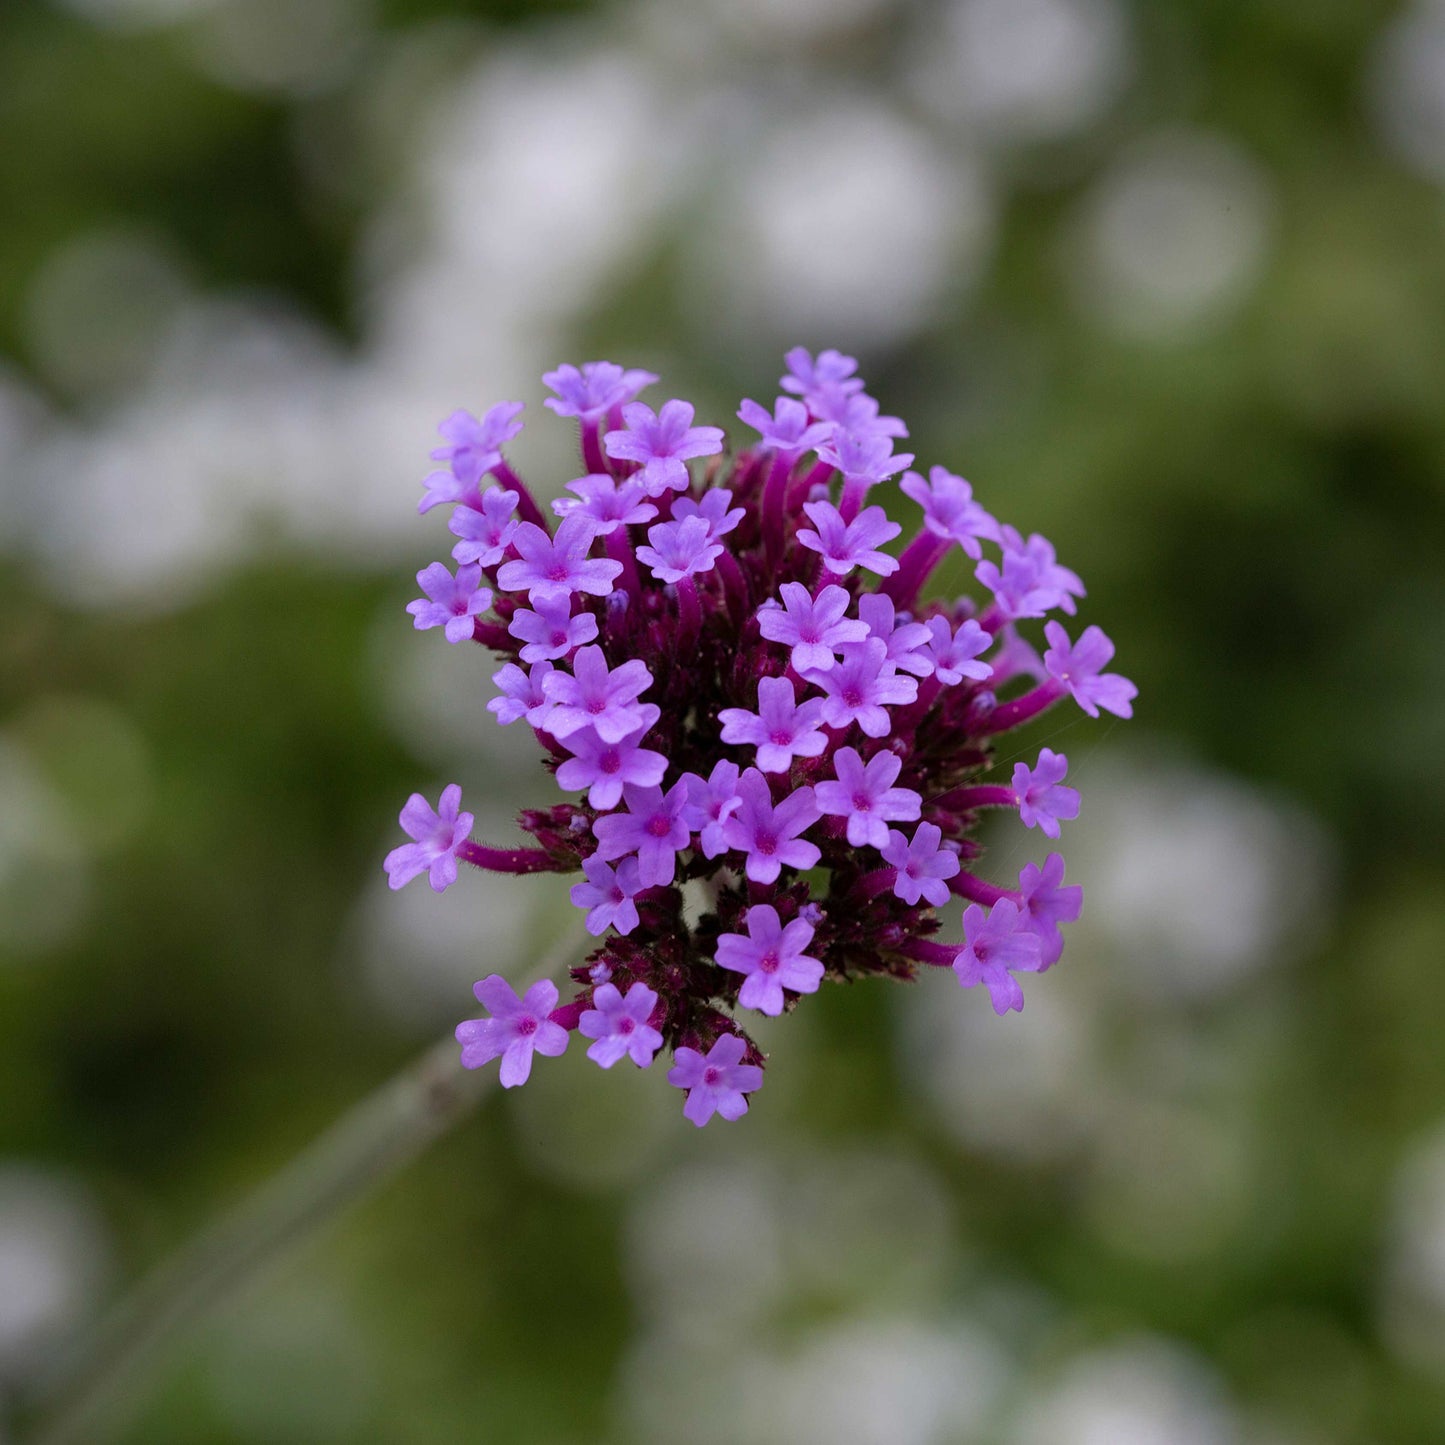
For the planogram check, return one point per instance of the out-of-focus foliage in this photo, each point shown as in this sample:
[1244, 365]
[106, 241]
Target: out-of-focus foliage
[1166, 281]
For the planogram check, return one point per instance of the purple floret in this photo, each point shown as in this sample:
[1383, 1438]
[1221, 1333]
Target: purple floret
[607, 895]
[814, 627]
[606, 503]
[710, 803]
[653, 827]
[662, 443]
[902, 639]
[949, 510]
[556, 567]
[955, 655]
[864, 794]
[451, 602]
[787, 429]
[593, 390]
[620, 1026]
[518, 1027]
[474, 446]
[768, 834]
[552, 631]
[604, 768]
[715, 508]
[862, 687]
[832, 370]
[846, 545]
[716, 1082]
[680, 548]
[994, 945]
[523, 694]
[485, 531]
[922, 865]
[1043, 800]
[439, 833]
[772, 959]
[1045, 902]
[1078, 667]
[782, 728]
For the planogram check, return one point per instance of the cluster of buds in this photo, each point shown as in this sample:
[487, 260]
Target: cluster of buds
[777, 754]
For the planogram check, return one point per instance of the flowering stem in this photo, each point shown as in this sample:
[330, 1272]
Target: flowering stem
[986, 795]
[802, 485]
[919, 558]
[619, 548]
[527, 507]
[592, 457]
[936, 955]
[689, 608]
[88, 1388]
[507, 860]
[976, 890]
[1013, 714]
[775, 491]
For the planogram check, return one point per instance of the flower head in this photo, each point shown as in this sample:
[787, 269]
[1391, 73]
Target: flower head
[662, 624]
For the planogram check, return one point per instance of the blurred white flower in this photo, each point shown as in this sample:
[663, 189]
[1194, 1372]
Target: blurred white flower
[1406, 87]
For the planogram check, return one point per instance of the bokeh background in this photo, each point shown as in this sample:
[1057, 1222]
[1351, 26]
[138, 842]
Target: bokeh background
[1164, 278]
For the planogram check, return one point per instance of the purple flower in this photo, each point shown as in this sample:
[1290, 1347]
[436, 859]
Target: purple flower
[787, 430]
[605, 767]
[949, 510]
[715, 1083]
[1030, 582]
[862, 687]
[781, 729]
[831, 370]
[517, 1028]
[608, 894]
[814, 627]
[866, 797]
[451, 602]
[553, 630]
[922, 865]
[486, 532]
[868, 459]
[713, 509]
[597, 696]
[620, 1025]
[854, 412]
[954, 654]
[662, 442]
[606, 503]
[556, 567]
[522, 694]
[768, 834]
[772, 959]
[680, 548]
[994, 944]
[846, 545]
[1015, 656]
[439, 833]
[1078, 666]
[1043, 801]
[901, 639]
[474, 447]
[594, 390]
[711, 803]
[1044, 903]
[653, 828]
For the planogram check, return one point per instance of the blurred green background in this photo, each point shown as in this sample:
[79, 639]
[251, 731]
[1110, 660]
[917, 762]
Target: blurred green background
[1165, 280]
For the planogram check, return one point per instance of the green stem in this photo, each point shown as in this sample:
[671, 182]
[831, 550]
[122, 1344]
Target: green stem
[86, 1395]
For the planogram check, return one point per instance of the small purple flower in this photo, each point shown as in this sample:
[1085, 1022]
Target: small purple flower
[866, 797]
[902, 639]
[556, 567]
[450, 602]
[831, 370]
[782, 728]
[1078, 666]
[772, 959]
[680, 548]
[994, 944]
[1045, 902]
[607, 895]
[518, 1027]
[620, 1025]
[867, 459]
[603, 768]
[922, 865]
[949, 510]
[862, 687]
[486, 532]
[523, 694]
[954, 655]
[855, 412]
[787, 431]
[1030, 582]
[606, 503]
[711, 803]
[474, 447]
[715, 1083]
[846, 545]
[653, 828]
[439, 832]
[594, 390]
[1043, 800]
[814, 627]
[662, 442]
[768, 834]
[1015, 656]
[552, 631]
[597, 696]
[713, 509]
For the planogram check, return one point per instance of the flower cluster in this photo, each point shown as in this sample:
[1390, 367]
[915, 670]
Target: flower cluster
[775, 752]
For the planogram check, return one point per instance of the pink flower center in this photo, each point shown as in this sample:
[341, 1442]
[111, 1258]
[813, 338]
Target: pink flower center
[781, 736]
[766, 844]
[853, 696]
[526, 1026]
[610, 761]
[711, 1076]
[659, 825]
[862, 803]
[769, 963]
[626, 1025]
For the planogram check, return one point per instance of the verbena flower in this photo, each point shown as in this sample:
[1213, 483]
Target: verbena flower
[778, 749]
